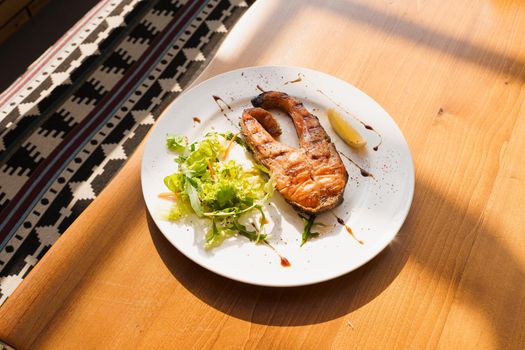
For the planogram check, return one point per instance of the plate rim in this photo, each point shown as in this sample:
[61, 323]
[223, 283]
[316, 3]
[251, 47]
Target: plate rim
[374, 253]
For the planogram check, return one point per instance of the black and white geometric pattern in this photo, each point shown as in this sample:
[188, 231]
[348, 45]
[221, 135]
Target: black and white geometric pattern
[77, 81]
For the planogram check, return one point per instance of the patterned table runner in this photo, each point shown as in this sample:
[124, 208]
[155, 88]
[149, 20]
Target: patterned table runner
[73, 119]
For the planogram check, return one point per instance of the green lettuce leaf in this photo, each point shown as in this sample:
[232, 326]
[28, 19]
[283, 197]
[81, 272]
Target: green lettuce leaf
[177, 143]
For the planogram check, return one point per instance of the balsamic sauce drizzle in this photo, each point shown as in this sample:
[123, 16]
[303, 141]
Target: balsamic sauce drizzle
[364, 172]
[376, 147]
[217, 99]
[224, 113]
[284, 262]
[348, 229]
[298, 79]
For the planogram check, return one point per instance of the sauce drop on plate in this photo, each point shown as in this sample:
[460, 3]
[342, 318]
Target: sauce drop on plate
[296, 80]
[217, 99]
[284, 262]
[364, 172]
[348, 229]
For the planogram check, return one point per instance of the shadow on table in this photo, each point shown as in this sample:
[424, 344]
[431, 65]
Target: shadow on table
[311, 304]
[464, 48]
[438, 235]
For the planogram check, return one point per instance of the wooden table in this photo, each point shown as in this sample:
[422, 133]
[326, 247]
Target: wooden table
[451, 73]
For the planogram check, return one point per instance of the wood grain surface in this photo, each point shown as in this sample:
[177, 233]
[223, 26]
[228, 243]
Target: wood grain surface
[451, 73]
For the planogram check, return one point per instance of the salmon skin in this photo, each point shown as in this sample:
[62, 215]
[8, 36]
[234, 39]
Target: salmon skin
[311, 178]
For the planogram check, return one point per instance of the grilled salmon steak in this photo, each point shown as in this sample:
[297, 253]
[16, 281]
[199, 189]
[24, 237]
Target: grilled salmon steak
[311, 178]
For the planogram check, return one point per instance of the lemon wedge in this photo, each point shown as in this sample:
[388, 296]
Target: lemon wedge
[344, 129]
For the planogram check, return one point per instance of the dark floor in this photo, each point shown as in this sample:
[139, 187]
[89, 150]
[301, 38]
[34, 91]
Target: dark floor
[37, 35]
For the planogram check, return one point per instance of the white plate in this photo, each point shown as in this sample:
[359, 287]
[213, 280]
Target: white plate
[375, 209]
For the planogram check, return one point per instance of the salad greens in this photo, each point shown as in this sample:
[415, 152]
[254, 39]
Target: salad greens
[216, 189]
[177, 143]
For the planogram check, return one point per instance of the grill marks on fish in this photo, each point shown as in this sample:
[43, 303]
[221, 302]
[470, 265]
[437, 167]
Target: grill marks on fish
[312, 178]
